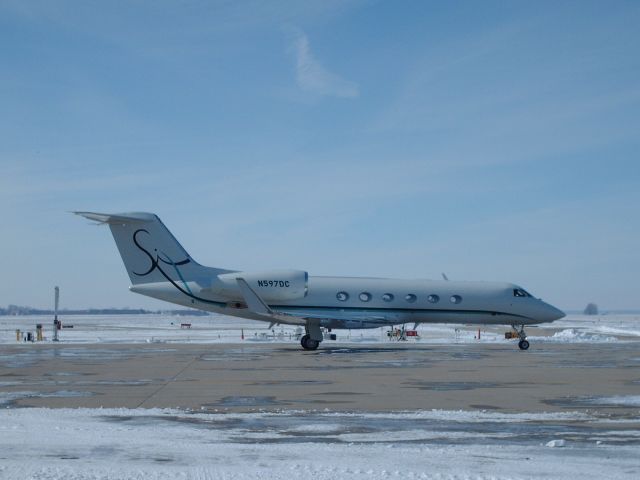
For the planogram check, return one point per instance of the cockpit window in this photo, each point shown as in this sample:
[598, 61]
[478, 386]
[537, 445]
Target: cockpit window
[518, 292]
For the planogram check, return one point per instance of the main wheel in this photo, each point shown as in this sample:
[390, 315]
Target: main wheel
[523, 344]
[309, 344]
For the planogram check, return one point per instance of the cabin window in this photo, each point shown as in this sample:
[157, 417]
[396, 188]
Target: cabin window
[387, 297]
[364, 296]
[410, 297]
[433, 298]
[455, 299]
[342, 296]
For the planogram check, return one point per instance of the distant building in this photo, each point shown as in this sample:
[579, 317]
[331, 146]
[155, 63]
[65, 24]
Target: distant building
[591, 309]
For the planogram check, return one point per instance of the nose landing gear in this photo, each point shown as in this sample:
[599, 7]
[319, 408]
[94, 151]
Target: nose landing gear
[523, 344]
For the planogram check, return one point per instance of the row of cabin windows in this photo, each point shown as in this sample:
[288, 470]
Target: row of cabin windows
[389, 297]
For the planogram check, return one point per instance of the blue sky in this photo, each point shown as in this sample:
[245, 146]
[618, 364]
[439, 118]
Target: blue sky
[488, 140]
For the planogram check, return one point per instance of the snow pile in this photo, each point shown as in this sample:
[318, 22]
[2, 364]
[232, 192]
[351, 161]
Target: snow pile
[555, 443]
[573, 335]
[474, 416]
[617, 324]
[626, 329]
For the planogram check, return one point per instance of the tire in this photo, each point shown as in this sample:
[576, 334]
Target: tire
[523, 345]
[309, 344]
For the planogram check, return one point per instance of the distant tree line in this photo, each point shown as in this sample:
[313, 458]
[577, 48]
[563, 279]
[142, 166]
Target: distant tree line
[19, 310]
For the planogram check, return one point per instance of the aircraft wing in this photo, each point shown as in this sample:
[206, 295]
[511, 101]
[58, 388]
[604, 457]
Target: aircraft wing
[302, 315]
[332, 314]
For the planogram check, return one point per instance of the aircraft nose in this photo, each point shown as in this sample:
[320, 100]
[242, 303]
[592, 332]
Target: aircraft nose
[551, 313]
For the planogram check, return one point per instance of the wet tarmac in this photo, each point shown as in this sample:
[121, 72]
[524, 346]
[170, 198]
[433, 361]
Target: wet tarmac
[253, 377]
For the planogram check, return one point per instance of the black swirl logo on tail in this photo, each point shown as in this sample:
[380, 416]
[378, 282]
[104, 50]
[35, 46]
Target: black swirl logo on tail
[155, 261]
[159, 260]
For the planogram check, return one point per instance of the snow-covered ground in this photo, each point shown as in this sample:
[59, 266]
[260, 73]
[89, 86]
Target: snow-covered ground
[156, 444]
[224, 329]
[53, 444]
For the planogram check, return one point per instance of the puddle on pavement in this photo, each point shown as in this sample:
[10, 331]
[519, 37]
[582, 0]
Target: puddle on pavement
[450, 386]
[250, 401]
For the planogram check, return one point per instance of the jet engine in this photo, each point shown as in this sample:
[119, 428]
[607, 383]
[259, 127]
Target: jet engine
[270, 285]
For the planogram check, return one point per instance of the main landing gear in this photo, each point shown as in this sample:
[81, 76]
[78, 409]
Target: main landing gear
[308, 343]
[311, 340]
[523, 344]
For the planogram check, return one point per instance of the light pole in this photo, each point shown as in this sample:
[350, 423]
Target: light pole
[55, 314]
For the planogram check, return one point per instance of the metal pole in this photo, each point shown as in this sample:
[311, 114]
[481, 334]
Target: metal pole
[55, 314]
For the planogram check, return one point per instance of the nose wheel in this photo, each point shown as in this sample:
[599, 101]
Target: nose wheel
[523, 344]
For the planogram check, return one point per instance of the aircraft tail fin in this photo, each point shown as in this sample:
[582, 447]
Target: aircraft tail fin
[148, 249]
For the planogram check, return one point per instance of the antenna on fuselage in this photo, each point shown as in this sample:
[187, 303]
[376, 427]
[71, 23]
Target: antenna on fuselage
[445, 276]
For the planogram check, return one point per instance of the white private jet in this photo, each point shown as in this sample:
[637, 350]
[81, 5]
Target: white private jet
[159, 267]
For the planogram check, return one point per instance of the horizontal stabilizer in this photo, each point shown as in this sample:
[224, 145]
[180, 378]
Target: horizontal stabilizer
[118, 218]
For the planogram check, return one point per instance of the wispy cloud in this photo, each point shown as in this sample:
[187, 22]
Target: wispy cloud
[313, 77]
